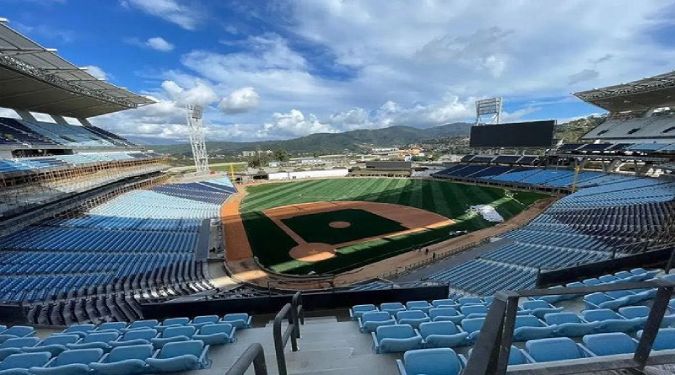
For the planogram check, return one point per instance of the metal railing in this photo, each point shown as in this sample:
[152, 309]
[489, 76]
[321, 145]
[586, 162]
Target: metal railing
[292, 332]
[254, 355]
[491, 352]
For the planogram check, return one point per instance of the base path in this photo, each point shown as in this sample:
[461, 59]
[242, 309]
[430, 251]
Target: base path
[236, 242]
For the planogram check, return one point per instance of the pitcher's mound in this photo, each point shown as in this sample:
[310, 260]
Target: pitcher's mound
[312, 252]
[339, 224]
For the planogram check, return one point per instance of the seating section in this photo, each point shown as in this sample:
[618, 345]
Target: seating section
[140, 244]
[648, 129]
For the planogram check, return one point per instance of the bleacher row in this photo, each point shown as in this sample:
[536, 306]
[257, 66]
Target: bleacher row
[616, 148]
[32, 134]
[140, 244]
[657, 126]
[430, 333]
[593, 224]
[35, 164]
[113, 348]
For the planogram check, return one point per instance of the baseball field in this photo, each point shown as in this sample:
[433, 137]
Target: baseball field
[334, 225]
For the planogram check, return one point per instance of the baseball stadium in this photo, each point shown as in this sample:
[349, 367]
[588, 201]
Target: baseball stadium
[526, 254]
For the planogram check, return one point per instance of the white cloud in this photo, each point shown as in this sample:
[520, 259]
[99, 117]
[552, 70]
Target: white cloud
[96, 71]
[169, 10]
[159, 44]
[239, 101]
[294, 124]
[200, 94]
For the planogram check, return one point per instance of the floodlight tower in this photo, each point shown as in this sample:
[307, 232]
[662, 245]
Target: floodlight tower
[196, 128]
[490, 108]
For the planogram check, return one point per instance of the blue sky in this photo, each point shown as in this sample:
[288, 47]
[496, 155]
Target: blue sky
[281, 69]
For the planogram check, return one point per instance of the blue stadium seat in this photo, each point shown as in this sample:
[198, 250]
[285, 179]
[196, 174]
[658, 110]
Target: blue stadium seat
[14, 345]
[112, 326]
[16, 331]
[201, 320]
[54, 344]
[173, 334]
[392, 307]
[396, 338]
[70, 362]
[439, 361]
[665, 339]
[445, 314]
[172, 322]
[238, 320]
[555, 349]
[610, 321]
[356, 311]
[442, 335]
[412, 317]
[528, 327]
[569, 324]
[95, 340]
[473, 326]
[610, 343]
[216, 334]
[19, 364]
[539, 308]
[141, 336]
[124, 360]
[447, 302]
[369, 321]
[418, 305]
[180, 356]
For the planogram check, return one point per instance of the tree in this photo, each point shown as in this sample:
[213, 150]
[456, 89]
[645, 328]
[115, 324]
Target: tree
[281, 155]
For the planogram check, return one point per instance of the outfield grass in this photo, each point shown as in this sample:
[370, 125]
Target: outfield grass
[271, 245]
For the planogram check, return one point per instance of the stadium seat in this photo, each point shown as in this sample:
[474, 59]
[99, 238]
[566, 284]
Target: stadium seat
[216, 334]
[124, 360]
[139, 324]
[369, 321]
[357, 310]
[412, 317]
[473, 309]
[418, 305]
[470, 301]
[610, 343]
[392, 307]
[136, 337]
[610, 321]
[445, 303]
[19, 364]
[14, 345]
[180, 356]
[70, 362]
[445, 313]
[201, 320]
[642, 313]
[173, 334]
[438, 361]
[554, 349]
[442, 335]
[172, 322]
[396, 338]
[539, 308]
[528, 327]
[665, 339]
[517, 356]
[473, 326]
[16, 331]
[238, 320]
[112, 326]
[95, 340]
[79, 329]
[54, 344]
[569, 324]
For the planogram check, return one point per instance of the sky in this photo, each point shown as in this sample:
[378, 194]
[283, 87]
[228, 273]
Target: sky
[283, 69]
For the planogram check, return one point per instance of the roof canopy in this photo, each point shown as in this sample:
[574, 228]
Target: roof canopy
[34, 78]
[647, 93]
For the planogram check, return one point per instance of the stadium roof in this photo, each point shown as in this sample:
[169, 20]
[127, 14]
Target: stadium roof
[644, 94]
[35, 78]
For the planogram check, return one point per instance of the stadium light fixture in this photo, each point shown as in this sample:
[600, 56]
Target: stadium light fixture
[4, 20]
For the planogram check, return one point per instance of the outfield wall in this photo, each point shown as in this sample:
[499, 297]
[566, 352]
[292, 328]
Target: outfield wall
[308, 174]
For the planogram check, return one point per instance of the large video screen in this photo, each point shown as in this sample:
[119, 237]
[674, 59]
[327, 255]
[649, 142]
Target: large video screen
[516, 134]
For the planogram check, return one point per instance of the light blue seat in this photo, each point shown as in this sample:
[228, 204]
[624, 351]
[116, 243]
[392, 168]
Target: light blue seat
[642, 313]
[610, 321]
[357, 310]
[136, 337]
[369, 321]
[54, 344]
[173, 334]
[124, 360]
[528, 327]
[608, 278]
[96, 340]
[180, 356]
[470, 301]
[619, 293]
[216, 334]
[438, 361]
[70, 362]
[642, 271]
[14, 345]
[111, 326]
[172, 322]
[447, 302]
[610, 343]
[442, 335]
[201, 320]
[238, 320]
[79, 329]
[18, 364]
[472, 327]
[412, 317]
[569, 324]
[591, 282]
[392, 307]
[594, 300]
[418, 305]
[445, 314]
[141, 324]
[396, 338]
[473, 309]
[517, 356]
[539, 308]
[16, 331]
[554, 349]
[665, 339]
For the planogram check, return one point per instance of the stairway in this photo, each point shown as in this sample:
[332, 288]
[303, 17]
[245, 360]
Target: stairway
[327, 347]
